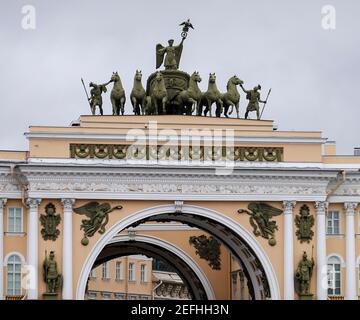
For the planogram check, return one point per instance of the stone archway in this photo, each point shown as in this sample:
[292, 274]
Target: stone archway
[244, 245]
[192, 275]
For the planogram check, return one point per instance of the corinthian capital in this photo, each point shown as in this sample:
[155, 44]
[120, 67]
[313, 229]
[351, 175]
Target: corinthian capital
[33, 203]
[321, 207]
[350, 207]
[288, 206]
[67, 203]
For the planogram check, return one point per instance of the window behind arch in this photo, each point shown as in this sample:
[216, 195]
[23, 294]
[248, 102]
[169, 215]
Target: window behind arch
[13, 276]
[105, 271]
[334, 276]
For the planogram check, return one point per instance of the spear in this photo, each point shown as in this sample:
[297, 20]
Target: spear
[88, 99]
[265, 103]
[312, 252]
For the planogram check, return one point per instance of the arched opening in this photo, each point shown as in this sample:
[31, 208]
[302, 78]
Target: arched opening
[191, 274]
[238, 240]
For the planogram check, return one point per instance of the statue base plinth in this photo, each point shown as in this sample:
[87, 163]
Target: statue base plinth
[306, 296]
[50, 296]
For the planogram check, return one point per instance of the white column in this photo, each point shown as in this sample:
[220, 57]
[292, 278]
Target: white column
[2, 205]
[32, 249]
[288, 250]
[351, 279]
[67, 270]
[321, 263]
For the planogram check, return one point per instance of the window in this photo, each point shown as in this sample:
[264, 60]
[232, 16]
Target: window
[15, 220]
[105, 270]
[131, 271]
[120, 296]
[92, 295]
[93, 273]
[119, 271]
[144, 298]
[14, 275]
[333, 222]
[106, 295]
[334, 276]
[133, 297]
[143, 273]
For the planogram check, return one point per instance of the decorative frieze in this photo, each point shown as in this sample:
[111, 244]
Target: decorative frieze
[8, 187]
[199, 188]
[175, 153]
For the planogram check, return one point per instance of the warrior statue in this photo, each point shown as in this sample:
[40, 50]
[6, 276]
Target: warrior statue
[96, 98]
[169, 55]
[303, 275]
[50, 273]
[254, 98]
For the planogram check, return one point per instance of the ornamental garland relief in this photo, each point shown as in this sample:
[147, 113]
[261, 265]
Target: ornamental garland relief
[175, 188]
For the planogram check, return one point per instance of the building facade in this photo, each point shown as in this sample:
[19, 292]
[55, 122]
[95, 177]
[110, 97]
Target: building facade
[263, 196]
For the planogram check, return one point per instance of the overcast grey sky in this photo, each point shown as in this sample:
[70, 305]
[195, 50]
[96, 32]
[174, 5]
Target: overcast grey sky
[314, 73]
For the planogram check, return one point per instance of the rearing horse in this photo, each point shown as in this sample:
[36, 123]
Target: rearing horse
[232, 96]
[210, 96]
[117, 95]
[138, 95]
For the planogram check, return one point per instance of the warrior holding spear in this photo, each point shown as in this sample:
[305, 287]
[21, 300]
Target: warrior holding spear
[96, 98]
[254, 98]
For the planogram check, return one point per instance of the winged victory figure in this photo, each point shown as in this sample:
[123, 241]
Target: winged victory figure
[98, 215]
[169, 55]
[260, 215]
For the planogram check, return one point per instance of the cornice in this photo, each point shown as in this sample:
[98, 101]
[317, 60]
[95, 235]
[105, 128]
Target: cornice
[178, 183]
[128, 137]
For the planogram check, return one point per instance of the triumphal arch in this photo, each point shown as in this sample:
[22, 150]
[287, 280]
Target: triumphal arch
[238, 208]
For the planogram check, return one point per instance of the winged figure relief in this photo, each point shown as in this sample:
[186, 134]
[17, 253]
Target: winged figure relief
[98, 215]
[260, 219]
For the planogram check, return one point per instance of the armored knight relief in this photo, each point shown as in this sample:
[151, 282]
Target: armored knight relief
[260, 215]
[304, 223]
[49, 221]
[207, 248]
[98, 215]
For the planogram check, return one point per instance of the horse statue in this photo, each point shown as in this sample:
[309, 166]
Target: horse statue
[189, 99]
[209, 97]
[158, 96]
[138, 95]
[117, 95]
[232, 96]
